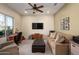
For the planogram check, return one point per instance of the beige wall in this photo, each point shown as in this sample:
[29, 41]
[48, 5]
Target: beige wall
[27, 21]
[71, 10]
[17, 18]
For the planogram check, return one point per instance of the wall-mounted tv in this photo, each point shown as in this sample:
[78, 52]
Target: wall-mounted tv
[37, 25]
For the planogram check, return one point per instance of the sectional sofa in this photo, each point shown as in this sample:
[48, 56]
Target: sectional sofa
[59, 43]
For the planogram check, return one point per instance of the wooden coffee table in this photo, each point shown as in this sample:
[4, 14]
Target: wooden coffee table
[38, 46]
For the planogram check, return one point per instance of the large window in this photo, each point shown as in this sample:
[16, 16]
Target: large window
[6, 25]
[9, 25]
[2, 25]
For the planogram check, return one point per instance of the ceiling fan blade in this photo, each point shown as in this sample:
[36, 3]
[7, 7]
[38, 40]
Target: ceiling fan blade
[40, 6]
[39, 10]
[30, 4]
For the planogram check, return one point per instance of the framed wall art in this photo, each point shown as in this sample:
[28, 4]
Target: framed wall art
[65, 23]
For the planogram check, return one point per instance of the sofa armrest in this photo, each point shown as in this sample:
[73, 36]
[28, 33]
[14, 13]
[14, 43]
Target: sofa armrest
[62, 49]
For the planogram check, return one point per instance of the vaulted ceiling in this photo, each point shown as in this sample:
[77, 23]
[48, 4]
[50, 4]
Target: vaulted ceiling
[49, 8]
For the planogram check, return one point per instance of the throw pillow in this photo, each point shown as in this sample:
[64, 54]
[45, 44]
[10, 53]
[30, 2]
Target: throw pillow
[60, 38]
[65, 40]
[55, 35]
[52, 35]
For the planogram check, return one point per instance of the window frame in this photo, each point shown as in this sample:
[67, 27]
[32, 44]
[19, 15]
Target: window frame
[12, 22]
[5, 22]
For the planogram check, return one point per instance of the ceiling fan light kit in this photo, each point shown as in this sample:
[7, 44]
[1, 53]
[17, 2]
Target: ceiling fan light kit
[25, 11]
[48, 12]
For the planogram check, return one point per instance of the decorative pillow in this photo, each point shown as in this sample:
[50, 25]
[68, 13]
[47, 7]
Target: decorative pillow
[59, 38]
[66, 40]
[52, 35]
[55, 35]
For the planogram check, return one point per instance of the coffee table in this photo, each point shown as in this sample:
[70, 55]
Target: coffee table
[38, 46]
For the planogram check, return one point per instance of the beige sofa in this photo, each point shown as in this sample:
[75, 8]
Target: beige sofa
[59, 43]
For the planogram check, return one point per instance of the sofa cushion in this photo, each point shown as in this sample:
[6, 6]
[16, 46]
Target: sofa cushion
[59, 38]
[52, 35]
[68, 36]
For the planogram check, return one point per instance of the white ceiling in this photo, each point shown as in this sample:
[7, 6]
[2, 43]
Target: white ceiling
[20, 8]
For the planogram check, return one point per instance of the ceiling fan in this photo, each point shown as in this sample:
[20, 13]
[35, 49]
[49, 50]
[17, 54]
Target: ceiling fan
[35, 8]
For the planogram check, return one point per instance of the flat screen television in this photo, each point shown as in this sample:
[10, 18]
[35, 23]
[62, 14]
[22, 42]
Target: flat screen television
[37, 25]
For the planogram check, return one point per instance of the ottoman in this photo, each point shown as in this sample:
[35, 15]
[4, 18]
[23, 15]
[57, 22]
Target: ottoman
[38, 46]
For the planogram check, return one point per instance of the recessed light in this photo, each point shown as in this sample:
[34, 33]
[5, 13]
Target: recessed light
[25, 12]
[48, 12]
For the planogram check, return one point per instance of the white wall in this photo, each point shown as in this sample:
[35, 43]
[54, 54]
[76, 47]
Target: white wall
[17, 18]
[27, 21]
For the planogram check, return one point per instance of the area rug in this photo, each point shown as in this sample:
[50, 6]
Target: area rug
[25, 48]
